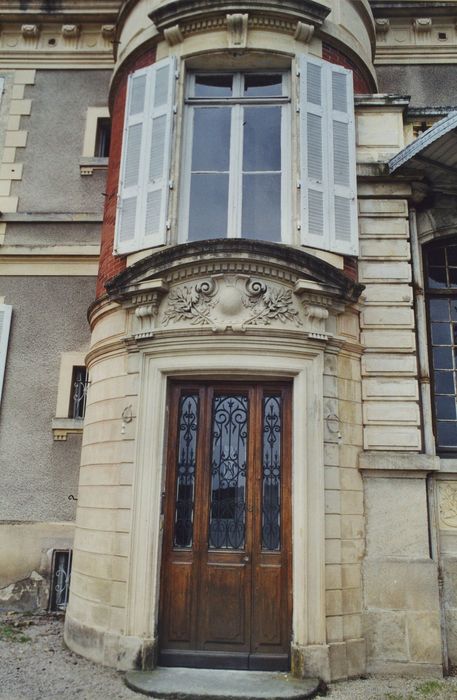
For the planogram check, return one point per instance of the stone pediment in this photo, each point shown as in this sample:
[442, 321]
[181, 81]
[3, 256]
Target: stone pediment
[235, 286]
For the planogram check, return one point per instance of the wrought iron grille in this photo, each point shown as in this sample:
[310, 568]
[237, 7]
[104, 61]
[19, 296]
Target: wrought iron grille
[60, 579]
[80, 384]
[271, 481]
[228, 472]
[185, 486]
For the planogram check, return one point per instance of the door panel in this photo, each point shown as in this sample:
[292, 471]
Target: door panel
[225, 595]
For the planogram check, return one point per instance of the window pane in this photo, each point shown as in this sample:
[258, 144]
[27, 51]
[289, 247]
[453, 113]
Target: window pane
[441, 334]
[437, 277]
[439, 310]
[261, 218]
[211, 139]
[208, 206]
[262, 139]
[263, 85]
[447, 434]
[436, 257]
[442, 358]
[213, 85]
[452, 255]
[445, 407]
[185, 470]
[453, 276]
[228, 472]
[271, 473]
[444, 382]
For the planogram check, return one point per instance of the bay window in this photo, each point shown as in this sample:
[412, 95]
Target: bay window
[264, 155]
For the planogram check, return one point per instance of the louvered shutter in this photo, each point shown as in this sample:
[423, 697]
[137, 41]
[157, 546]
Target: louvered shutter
[145, 162]
[327, 157]
[5, 321]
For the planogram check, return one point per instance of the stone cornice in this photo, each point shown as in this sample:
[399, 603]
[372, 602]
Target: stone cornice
[412, 8]
[60, 10]
[187, 13]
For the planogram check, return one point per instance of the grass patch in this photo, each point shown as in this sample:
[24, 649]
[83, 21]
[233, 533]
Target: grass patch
[430, 688]
[8, 633]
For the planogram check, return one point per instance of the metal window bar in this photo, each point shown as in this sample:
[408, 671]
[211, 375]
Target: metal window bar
[60, 579]
[80, 385]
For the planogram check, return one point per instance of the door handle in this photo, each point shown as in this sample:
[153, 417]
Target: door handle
[246, 558]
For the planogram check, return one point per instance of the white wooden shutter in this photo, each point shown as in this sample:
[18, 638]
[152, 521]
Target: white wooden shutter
[327, 157]
[5, 321]
[145, 162]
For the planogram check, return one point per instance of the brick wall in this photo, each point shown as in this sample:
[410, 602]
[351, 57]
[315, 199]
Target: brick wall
[110, 265]
[362, 81]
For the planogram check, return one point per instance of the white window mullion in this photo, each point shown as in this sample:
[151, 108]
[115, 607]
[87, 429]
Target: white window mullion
[186, 168]
[286, 181]
[235, 199]
[5, 323]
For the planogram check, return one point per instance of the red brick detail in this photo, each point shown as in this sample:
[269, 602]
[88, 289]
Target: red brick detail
[362, 81]
[110, 264]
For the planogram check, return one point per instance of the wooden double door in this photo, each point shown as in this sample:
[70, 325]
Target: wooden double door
[226, 557]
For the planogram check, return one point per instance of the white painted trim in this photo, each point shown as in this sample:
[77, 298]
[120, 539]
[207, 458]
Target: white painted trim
[6, 310]
[68, 360]
[304, 366]
[93, 114]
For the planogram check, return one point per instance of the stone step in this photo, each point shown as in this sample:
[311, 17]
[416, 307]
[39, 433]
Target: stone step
[205, 684]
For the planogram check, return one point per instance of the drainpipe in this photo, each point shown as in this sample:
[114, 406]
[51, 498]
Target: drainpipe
[427, 418]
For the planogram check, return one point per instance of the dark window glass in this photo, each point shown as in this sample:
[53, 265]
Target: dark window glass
[185, 470]
[271, 473]
[213, 85]
[78, 398]
[441, 279]
[262, 85]
[103, 138]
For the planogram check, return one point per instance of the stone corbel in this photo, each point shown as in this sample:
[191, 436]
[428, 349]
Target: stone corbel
[237, 29]
[173, 35]
[146, 301]
[422, 25]
[107, 31]
[304, 32]
[382, 25]
[30, 31]
[70, 31]
[317, 301]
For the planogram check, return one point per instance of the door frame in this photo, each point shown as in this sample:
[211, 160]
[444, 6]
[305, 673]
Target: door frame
[266, 359]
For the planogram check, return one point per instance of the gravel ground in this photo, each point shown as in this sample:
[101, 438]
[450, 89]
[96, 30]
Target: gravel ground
[36, 665]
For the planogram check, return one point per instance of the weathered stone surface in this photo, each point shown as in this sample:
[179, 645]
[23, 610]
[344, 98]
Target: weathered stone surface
[424, 637]
[386, 501]
[385, 634]
[397, 585]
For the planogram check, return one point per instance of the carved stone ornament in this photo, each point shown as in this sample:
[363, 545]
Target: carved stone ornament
[422, 25]
[304, 32]
[107, 31]
[30, 31]
[237, 29]
[235, 302]
[71, 31]
[173, 35]
[382, 25]
[448, 505]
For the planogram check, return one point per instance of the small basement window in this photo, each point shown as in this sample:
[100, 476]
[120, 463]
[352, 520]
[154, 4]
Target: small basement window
[60, 579]
[96, 141]
[79, 383]
[71, 395]
[102, 137]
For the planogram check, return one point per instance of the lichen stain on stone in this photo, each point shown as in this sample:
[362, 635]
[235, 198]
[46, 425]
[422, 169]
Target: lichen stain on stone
[27, 594]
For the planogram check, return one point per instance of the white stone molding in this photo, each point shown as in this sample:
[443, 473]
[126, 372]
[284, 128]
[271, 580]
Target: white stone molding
[70, 31]
[145, 299]
[422, 25]
[304, 32]
[173, 35]
[237, 30]
[261, 358]
[107, 31]
[30, 31]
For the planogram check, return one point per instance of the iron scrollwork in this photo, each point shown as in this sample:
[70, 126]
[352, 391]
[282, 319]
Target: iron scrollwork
[185, 477]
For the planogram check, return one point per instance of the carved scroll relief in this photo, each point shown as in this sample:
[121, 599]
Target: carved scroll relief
[448, 504]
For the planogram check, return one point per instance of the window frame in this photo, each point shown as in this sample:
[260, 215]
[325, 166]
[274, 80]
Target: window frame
[235, 195]
[447, 293]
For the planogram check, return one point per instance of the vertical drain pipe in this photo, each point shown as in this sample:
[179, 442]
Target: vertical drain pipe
[427, 418]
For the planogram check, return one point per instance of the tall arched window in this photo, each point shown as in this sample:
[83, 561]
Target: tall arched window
[441, 289]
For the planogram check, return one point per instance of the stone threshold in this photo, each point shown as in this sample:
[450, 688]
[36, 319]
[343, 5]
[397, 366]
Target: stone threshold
[205, 684]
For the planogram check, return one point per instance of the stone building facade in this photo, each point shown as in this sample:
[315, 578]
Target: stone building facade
[266, 476]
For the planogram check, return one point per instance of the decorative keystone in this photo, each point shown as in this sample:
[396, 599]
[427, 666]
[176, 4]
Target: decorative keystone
[30, 31]
[173, 35]
[237, 28]
[304, 32]
[422, 25]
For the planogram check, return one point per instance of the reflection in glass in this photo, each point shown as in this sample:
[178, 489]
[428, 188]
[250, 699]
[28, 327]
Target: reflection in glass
[213, 85]
[447, 434]
[437, 277]
[208, 206]
[262, 139]
[444, 383]
[185, 472]
[439, 309]
[261, 218]
[271, 474]
[211, 139]
[441, 334]
[442, 358]
[228, 472]
[445, 407]
[262, 85]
